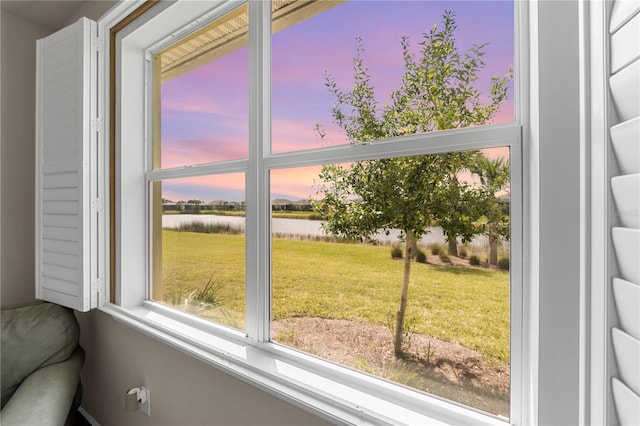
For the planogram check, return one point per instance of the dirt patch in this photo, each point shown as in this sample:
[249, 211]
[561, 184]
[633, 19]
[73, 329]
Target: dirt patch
[445, 369]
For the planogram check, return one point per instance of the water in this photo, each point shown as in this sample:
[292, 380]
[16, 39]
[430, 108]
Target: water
[301, 227]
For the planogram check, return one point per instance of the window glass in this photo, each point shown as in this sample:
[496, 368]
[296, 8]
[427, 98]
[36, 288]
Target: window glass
[311, 56]
[199, 246]
[347, 238]
[203, 97]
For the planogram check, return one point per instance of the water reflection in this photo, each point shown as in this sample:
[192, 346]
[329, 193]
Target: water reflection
[293, 227]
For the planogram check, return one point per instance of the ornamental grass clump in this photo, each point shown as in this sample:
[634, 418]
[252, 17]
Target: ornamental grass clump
[503, 263]
[474, 260]
[209, 228]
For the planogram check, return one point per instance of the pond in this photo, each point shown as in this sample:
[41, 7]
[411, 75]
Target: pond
[297, 227]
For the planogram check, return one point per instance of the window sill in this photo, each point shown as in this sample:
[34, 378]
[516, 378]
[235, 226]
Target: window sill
[336, 393]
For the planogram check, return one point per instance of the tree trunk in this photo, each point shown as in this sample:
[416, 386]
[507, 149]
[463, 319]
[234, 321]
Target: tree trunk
[493, 252]
[453, 246]
[414, 248]
[493, 245]
[399, 334]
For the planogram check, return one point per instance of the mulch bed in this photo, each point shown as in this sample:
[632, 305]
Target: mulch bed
[445, 369]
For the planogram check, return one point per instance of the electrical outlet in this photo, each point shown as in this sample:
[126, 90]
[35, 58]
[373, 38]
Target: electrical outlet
[138, 399]
[145, 405]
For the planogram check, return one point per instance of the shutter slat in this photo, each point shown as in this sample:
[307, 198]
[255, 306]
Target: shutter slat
[59, 181]
[60, 234]
[66, 166]
[60, 286]
[60, 220]
[625, 88]
[625, 138]
[72, 275]
[61, 246]
[66, 260]
[61, 152]
[60, 194]
[61, 207]
[625, 45]
[622, 11]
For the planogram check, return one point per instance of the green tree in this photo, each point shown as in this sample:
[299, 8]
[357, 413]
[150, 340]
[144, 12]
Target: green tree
[459, 214]
[436, 93]
[195, 203]
[494, 178]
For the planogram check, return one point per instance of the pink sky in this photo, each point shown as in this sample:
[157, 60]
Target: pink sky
[205, 111]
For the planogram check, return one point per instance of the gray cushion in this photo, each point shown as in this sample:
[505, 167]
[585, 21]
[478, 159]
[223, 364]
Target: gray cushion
[45, 397]
[34, 336]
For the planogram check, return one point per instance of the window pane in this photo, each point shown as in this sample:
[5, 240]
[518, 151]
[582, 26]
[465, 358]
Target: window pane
[202, 95]
[342, 250]
[199, 246]
[313, 71]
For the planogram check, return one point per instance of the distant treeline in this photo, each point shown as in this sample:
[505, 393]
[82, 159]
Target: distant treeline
[194, 208]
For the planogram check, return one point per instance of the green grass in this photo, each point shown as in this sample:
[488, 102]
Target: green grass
[191, 259]
[297, 215]
[349, 281]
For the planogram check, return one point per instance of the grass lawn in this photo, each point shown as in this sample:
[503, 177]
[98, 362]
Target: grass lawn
[469, 305]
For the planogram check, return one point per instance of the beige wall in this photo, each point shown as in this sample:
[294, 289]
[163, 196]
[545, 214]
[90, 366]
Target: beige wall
[17, 157]
[184, 390]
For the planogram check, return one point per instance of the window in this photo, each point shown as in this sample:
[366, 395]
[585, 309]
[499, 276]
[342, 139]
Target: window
[248, 142]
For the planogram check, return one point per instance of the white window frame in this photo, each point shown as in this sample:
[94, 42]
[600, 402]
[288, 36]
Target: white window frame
[336, 393]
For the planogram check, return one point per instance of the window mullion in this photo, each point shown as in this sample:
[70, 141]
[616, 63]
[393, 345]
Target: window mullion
[431, 143]
[257, 188]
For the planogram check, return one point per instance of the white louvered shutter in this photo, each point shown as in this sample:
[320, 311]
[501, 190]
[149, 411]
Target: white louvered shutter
[624, 84]
[70, 258]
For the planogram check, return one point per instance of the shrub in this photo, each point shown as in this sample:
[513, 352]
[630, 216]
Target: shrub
[421, 257]
[474, 260]
[443, 257]
[462, 251]
[435, 249]
[503, 263]
[396, 252]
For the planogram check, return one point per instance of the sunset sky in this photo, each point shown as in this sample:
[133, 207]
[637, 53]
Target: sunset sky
[205, 111]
